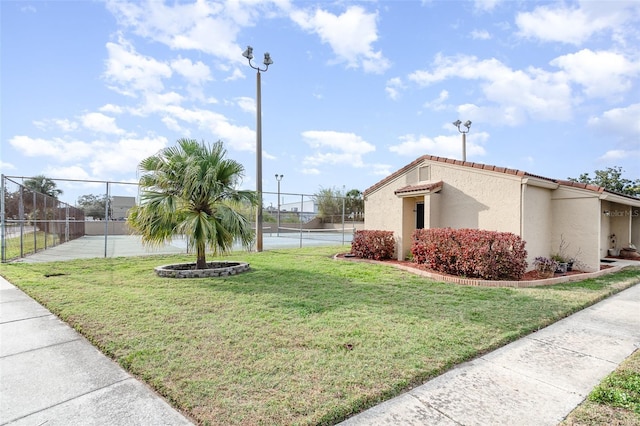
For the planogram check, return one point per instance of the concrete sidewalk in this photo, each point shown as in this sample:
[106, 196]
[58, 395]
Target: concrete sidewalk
[50, 375]
[537, 380]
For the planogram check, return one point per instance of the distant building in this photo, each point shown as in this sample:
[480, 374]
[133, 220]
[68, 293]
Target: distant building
[307, 209]
[120, 207]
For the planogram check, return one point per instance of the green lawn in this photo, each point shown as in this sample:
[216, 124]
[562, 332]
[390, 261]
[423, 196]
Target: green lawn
[301, 338]
[29, 244]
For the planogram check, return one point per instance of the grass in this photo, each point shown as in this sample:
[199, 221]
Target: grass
[616, 401]
[28, 245]
[301, 338]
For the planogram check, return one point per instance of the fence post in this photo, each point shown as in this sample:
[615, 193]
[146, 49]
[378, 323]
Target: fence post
[3, 229]
[34, 214]
[106, 218]
[300, 216]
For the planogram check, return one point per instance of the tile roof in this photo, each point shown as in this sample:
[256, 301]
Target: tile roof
[481, 166]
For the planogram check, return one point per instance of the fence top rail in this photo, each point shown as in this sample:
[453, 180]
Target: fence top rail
[73, 180]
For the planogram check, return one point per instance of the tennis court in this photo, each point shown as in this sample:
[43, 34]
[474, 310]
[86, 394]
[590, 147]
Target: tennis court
[131, 245]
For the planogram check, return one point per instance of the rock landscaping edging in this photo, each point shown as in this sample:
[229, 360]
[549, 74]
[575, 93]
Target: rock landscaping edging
[214, 269]
[487, 283]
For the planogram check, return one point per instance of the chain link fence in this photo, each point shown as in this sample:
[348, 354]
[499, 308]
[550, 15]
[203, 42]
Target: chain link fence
[32, 222]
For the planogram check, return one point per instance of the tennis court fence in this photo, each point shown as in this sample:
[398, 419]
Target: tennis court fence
[31, 221]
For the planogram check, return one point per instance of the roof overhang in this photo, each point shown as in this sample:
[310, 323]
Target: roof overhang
[620, 199]
[417, 190]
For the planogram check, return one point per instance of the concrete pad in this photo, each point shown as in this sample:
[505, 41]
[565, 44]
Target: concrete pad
[17, 310]
[478, 393]
[589, 337]
[572, 371]
[34, 333]
[122, 404]
[406, 410]
[35, 380]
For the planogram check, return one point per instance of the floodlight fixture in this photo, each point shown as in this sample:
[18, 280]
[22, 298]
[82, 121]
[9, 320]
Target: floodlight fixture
[467, 125]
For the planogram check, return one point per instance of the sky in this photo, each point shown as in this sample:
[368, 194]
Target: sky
[356, 91]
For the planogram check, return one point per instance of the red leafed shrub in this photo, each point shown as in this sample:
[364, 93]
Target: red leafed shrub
[472, 253]
[378, 245]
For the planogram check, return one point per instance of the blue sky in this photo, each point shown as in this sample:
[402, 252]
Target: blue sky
[357, 89]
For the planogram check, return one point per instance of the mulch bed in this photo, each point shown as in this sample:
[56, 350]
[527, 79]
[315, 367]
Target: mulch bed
[528, 276]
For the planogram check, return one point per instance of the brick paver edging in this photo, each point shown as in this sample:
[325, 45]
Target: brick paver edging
[488, 283]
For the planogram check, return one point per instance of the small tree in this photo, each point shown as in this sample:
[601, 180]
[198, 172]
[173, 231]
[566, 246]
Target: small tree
[93, 205]
[611, 179]
[190, 189]
[355, 204]
[329, 202]
[43, 185]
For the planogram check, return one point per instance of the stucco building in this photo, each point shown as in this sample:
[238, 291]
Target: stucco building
[436, 192]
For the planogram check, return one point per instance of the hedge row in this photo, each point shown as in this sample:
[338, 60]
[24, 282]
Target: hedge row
[471, 253]
[378, 245]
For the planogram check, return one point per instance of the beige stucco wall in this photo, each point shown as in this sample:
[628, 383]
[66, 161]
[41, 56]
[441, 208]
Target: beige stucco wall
[477, 199]
[115, 227]
[576, 220]
[537, 221]
[383, 210]
[635, 227]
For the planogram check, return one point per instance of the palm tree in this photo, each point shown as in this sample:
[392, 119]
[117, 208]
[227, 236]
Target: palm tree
[43, 185]
[190, 189]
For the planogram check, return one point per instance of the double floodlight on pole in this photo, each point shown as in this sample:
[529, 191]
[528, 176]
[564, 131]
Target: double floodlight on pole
[467, 125]
[248, 53]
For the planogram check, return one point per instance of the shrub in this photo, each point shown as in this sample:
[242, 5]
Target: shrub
[472, 253]
[545, 264]
[378, 245]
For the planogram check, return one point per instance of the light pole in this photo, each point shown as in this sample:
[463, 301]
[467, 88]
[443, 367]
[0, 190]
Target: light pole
[466, 124]
[278, 178]
[267, 61]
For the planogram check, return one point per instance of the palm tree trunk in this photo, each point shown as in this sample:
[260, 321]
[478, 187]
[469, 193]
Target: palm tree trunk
[201, 261]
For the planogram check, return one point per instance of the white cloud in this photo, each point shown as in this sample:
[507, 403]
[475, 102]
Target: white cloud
[350, 35]
[65, 124]
[195, 73]
[310, 171]
[445, 146]
[620, 123]
[58, 148]
[394, 86]
[124, 155]
[98, 122]
[246, 104]
[575, 24]
[130, 73]
[343, 148]
[532, 92]
[438, 104]
[480, 35]
[110, 108]
[69, 172]
[210, 27]
[615, 154]
[591, 69]
[486, 5]
[6, 166]
[239, 138]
